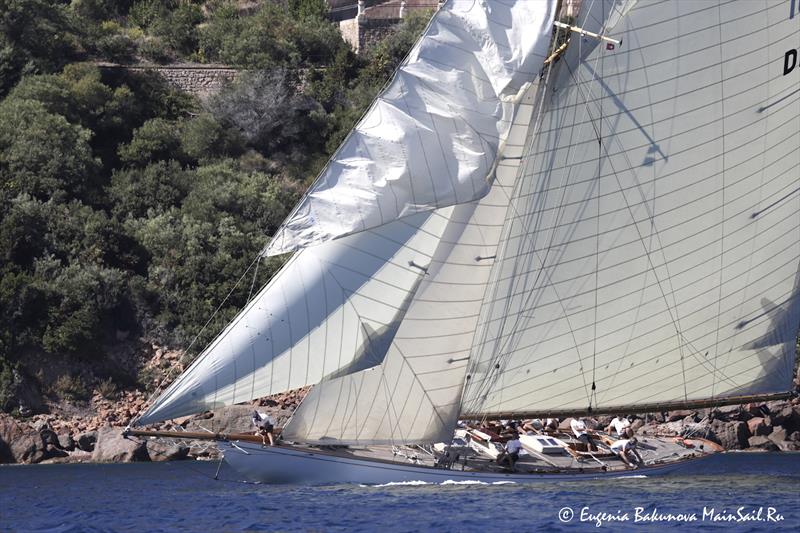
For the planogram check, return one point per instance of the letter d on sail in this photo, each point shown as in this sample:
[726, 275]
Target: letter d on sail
[789, 61]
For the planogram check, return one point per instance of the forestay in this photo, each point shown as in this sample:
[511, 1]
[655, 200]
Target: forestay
[414, 396]
[331, 310]
[431, 138]
[651, 254]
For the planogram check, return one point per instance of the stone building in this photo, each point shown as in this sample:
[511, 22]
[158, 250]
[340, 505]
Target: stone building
[364, 22]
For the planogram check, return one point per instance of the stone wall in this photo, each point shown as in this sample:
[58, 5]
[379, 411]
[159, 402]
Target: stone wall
[349, 30]
[372, 31]
[197, 79]
[362, 34]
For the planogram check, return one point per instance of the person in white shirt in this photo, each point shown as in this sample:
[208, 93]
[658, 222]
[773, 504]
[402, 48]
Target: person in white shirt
[622, 427]
[264, 426]
[511, 454]
[582, 434]
[626, 450]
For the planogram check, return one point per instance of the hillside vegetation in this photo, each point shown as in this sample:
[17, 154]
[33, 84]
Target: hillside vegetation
[128, 209]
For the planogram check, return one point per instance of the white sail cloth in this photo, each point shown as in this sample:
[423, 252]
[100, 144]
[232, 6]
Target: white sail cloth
[431, 139]
[652, 250]
[331, 310]
[414, 395]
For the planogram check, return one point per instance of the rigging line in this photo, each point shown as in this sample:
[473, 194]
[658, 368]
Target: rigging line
[694, 282]
[204, 354]
[486, 382]
[684, 253]
[644, 349]
[699, 199]
[757, 219]
[495, 370]
[493, 376]
[600, 57]
[653, 228]
[255, 276]
[675, 320]
[722, 223]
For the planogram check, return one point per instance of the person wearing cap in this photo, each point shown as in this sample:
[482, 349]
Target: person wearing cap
[264, 426]
[625, 449]
[510, 455]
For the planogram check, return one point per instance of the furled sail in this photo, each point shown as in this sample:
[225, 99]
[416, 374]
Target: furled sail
[431, 138]
[414, 395]
[331, 310]
[651, 252]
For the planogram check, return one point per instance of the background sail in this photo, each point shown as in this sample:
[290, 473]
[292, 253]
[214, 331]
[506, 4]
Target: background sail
[430, 140]
[331, 310]
[414, 396]
[652, 251]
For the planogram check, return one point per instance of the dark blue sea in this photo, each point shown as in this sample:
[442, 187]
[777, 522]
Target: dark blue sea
[731, 492]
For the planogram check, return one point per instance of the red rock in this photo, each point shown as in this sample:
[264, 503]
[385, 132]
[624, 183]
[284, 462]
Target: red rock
[757, 426]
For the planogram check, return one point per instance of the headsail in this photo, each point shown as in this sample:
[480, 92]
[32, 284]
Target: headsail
[431, 138]
[651, 255]
[414, 396]
[331, 310]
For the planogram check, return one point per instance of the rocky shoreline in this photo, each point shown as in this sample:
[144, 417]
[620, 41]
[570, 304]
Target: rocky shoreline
[92, 431]
[97, 437]
[773, 426]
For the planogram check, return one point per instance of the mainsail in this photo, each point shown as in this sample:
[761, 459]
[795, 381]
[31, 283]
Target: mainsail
[431, 138]
[652, 252]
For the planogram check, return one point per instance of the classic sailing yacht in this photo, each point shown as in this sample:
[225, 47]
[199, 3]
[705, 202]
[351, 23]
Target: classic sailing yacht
[508, 233]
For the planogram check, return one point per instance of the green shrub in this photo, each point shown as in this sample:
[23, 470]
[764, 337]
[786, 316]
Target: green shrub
[108, 389]
[178, 29]
[48, 157]
[154, 49]
[70, 388]
[142, 192]
[7, 384]
[156, 140]
[204, 138]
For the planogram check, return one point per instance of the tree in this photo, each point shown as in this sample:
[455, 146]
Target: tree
[204, 138]
[156, 140]
[48, 157]
[271, 116]
[144, 192]
[37, 36]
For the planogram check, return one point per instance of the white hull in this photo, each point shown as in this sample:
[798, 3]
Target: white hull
[282, 464]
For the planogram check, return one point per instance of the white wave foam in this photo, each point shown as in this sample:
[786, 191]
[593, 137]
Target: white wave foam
[464, 482]
[401, 483]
